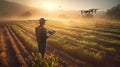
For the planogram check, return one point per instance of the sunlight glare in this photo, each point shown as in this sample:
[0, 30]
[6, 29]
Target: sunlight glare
[49, 6]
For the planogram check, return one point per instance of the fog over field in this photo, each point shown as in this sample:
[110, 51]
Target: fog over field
[14, 11]
[59, 33]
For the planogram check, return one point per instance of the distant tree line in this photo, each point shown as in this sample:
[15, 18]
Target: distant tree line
[26, 14]
[114, 12]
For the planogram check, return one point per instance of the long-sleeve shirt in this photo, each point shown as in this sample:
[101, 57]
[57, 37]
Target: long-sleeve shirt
[41, 34]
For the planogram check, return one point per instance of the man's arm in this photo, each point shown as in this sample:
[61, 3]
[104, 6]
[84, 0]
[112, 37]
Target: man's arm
[44, 34]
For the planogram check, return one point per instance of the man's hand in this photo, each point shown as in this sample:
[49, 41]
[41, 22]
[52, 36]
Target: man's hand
[51, 32]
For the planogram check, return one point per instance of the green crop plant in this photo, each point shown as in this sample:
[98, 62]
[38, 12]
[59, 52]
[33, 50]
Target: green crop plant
[47, 61]
[76, 51]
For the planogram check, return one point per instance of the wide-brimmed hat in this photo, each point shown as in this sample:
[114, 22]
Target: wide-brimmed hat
[42, 19]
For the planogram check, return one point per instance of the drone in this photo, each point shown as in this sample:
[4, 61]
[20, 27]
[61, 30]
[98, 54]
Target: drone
[90, 11]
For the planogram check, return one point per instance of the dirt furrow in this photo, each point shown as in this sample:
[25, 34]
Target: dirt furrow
[24, 52]
[16, 49]
[11, 55]
[3, 53]
[28, 48]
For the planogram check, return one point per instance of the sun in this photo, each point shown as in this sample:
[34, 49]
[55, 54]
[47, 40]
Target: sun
[49, 6]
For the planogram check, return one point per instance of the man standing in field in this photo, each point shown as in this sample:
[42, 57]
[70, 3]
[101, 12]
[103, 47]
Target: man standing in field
[42, 35]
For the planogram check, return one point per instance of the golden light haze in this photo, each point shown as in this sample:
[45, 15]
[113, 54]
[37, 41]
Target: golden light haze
[69, 4]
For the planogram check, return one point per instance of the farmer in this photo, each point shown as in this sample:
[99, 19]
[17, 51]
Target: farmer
[41, 36]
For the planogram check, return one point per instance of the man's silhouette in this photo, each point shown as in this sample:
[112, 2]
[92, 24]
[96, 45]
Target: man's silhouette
[41, 36]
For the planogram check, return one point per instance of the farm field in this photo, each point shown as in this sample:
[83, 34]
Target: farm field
[82, 43]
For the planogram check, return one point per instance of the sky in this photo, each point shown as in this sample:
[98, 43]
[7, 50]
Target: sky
[69, 4]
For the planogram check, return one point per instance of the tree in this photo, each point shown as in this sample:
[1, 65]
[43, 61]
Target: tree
[114, 12]
[27, 14]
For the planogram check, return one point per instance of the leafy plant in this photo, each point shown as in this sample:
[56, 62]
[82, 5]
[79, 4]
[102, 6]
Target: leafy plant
[47, 61]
